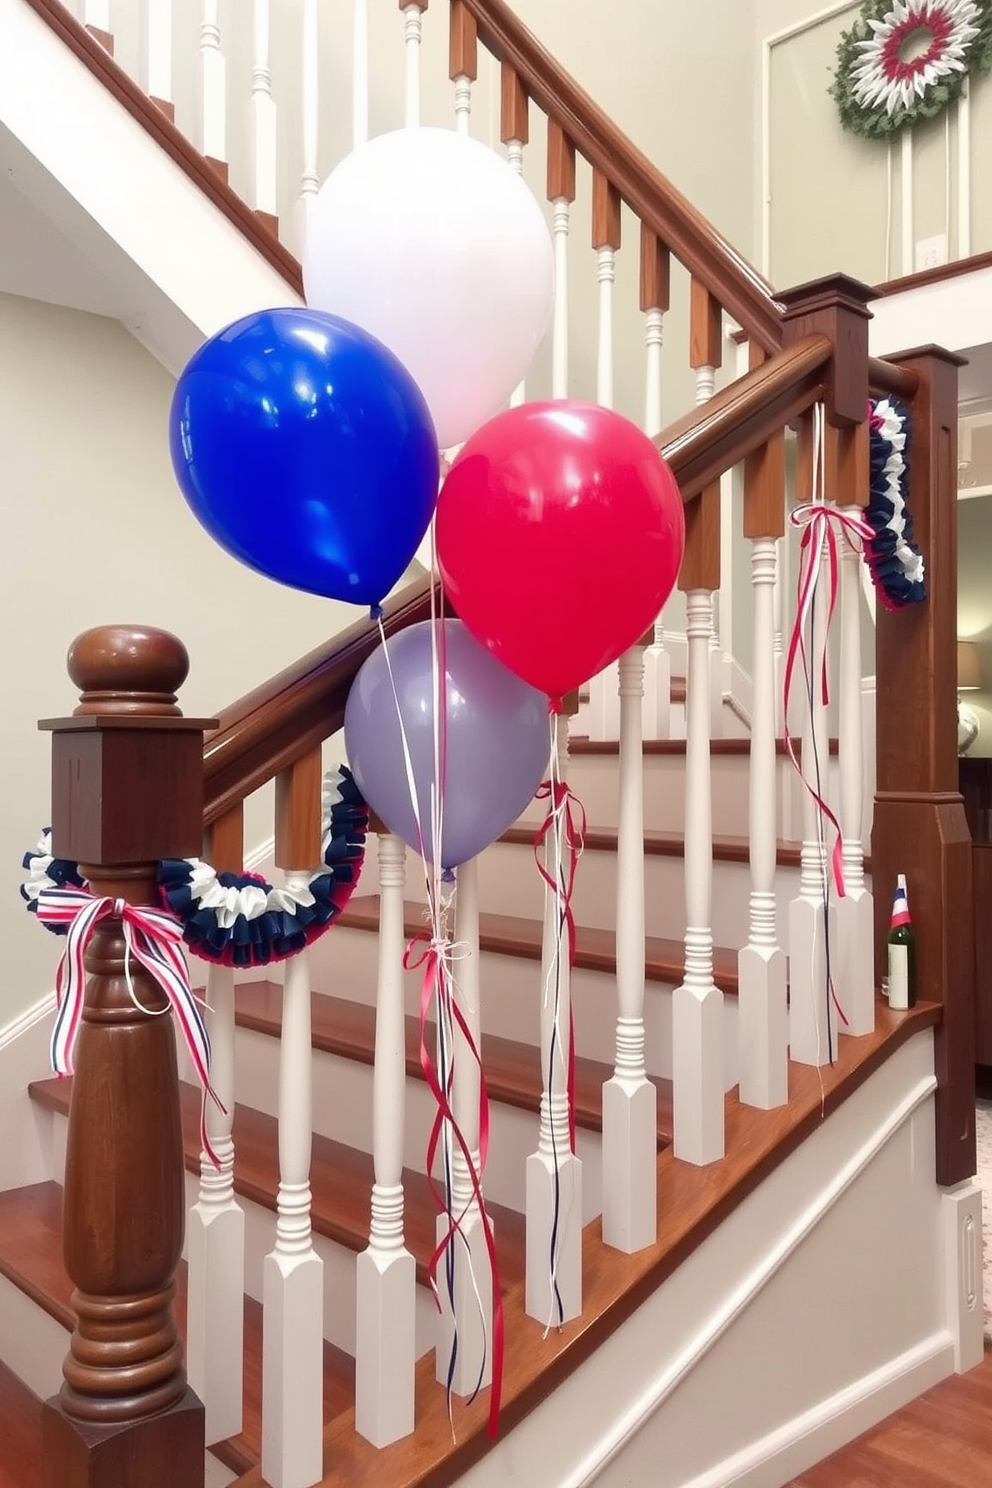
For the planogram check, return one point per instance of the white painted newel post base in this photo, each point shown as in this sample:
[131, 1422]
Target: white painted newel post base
[630, 1103]
[293, 1273]
[385, 1352]
[215, 1234]
[961, 1228]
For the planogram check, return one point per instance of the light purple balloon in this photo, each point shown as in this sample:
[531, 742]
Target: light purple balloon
[498, 740]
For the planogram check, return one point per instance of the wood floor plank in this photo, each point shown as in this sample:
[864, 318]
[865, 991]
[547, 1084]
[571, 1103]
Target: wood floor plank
[595, 950]
[20, 1433]
[513, 1070]
[942, 1440]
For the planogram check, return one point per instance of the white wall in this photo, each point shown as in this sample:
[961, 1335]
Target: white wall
[94, 532]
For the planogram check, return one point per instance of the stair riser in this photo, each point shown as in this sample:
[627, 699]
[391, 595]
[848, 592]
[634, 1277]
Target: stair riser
[344, 964]
[342, 1110]
[509, 880]
[260, 1227]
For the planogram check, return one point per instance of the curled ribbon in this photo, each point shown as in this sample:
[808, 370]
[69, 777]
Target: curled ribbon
[434, 957]
[567, 812]
[822, 526]
[153, 938]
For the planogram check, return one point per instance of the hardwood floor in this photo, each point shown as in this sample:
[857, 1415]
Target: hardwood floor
[942, 1440]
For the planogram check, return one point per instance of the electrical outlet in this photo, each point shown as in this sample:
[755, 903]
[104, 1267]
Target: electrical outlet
[931, 252]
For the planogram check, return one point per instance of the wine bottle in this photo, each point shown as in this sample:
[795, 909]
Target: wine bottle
[902, 951]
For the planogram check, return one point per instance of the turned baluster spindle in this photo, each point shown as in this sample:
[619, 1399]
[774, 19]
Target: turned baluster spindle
[604, 704]
[413, 32]
[210, 135]
[386, 1273]
[705, 358]
[514, 132]
[262, 122]
[155, 58]
[293, 1273]
[463, 61]
[655, 297]
[561, 194]
[846, 474]
[553, 1286]
[310, 116]
[127, 790]
[762, 992]
[697, 1005]
[216, 1227]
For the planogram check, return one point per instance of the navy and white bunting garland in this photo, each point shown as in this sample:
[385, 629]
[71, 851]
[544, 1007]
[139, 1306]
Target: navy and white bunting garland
[895, 561]
[239, 919]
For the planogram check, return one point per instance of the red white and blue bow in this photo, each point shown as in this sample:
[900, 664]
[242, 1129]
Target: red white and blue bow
[153, 938]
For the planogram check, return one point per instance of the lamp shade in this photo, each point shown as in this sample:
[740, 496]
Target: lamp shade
[969, 676]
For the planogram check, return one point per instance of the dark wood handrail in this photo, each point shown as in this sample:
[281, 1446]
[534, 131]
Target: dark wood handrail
[101, 64]
[742, 417]
[886, 377]
[266, 730]
[732, 281]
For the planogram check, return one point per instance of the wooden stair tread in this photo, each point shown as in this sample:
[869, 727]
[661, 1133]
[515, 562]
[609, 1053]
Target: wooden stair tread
[578, 744]
[513, 1070]
[31, 1257]
[20, 1433]
[595, 950]
[341, 1180]
[726, 849]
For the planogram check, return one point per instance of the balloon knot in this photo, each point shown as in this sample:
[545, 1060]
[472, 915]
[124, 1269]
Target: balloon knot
[375, 612]
[448, 876]
[554, 706]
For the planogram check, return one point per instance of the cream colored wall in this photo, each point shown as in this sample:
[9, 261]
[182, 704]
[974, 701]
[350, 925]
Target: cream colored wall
[975, 605]
[95, 531]
[828, 189]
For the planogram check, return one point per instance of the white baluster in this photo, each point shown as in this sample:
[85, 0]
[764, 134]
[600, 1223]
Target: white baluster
[855, 912]
[515, 158]
[561, 207]
[463, 104]
[310, 111]
[762, 998]
[360, 73]
[215, 1235]
[697, 1005]
[293, 1273]
[778, 653]
[630, 1101]
[155, 59]
[262, 118]
[211, 87]
[813, 926]
[95, 15]
[705, 388]
[657, 709]
[705, 384]
[472, 1282]
[386, 1355]
[414, 34]
[554, 1172]
[604, 696]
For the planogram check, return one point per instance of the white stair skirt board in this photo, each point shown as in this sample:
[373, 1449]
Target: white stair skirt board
[170, 300]
[723, 1329]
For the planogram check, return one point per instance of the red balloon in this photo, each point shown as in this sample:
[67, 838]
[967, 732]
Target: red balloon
[560, 532]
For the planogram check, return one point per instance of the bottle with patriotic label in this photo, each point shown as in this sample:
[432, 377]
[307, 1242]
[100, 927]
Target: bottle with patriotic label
[902, 951]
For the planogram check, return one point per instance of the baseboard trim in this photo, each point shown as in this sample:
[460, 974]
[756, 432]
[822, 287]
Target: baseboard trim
[784, 1453]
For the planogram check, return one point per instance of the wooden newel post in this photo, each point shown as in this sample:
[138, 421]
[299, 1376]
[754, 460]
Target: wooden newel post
[127, 790]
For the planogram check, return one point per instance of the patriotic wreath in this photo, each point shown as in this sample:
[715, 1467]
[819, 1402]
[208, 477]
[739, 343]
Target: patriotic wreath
[906, 61]
[895, 561]
[239, 919]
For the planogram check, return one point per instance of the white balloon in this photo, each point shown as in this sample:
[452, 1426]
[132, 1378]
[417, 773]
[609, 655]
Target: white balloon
[431, 241]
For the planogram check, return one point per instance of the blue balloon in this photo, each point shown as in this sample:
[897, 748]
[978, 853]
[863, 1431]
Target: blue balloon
[306, 449]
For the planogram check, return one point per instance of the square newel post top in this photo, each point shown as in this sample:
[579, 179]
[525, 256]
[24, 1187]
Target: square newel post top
[836, 306]
[127, 767]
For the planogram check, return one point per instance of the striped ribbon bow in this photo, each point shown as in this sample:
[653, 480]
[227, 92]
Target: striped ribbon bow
[822, 528]
[153, 938]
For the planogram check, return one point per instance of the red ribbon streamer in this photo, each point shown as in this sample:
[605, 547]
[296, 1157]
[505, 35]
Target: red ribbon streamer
[566, 807]
[431, 958]
[821, 525]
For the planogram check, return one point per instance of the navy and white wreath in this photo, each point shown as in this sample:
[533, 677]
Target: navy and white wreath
[239, 919]
[895, 561]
